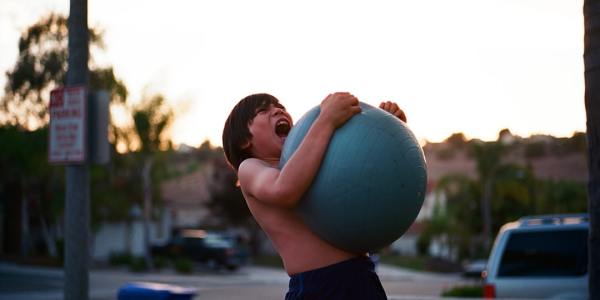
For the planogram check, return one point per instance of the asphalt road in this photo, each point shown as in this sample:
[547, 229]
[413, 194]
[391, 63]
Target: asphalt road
[249, 283]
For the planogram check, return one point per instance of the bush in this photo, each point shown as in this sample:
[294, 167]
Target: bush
[160, 262]
[535, 150]
[120, 259]
[273, 261]
[423, 243]
[410, 262]
[183, 265]
[138, 264]
[465, 291]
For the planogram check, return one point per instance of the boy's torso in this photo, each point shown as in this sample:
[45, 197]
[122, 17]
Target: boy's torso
[300, 248]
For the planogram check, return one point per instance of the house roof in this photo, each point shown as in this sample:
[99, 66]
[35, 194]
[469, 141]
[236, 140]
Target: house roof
[571, 167]
[189, 190]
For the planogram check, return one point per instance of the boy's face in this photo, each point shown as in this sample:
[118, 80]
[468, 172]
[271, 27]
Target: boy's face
[269, 128]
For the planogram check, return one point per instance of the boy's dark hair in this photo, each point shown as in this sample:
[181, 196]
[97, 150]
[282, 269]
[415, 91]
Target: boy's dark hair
[236, 132]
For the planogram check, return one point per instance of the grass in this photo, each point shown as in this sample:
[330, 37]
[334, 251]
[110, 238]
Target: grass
[183, 266]
[415, 263]
[267, 261]
[465, 291]
[421, 263]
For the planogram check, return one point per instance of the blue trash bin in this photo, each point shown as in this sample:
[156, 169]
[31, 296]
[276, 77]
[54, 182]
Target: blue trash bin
[154, 291]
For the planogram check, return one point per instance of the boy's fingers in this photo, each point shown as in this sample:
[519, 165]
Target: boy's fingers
[400, 114]
[352, 99]
[394, 109]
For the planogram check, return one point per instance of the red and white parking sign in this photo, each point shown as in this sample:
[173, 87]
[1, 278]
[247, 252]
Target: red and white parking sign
[68, 125]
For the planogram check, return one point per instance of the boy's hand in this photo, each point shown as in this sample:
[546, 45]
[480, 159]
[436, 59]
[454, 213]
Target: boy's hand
[394, 109]
[338, 108]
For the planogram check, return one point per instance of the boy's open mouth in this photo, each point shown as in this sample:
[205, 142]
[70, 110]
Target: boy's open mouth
[282, 128]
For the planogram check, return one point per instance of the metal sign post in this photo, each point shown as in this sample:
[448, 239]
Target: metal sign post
[77, 202]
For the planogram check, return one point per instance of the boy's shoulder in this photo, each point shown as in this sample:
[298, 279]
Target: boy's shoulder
[251, 166]
[252, 163]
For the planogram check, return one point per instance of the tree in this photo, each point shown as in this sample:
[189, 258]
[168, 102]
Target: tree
[41, 66]
[152, 116]
[227, 201]
[591, 13]
[459, 219]
[456, 140]
[488, 156]
[31, 186]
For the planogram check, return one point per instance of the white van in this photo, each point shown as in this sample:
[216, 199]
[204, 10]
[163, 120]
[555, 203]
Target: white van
[540, 257]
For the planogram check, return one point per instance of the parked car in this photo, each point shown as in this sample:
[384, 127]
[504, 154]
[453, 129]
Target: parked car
[543, 257]
[210, 248]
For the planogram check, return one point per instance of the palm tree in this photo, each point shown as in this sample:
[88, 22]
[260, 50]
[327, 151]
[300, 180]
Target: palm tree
[151, 117]
[591, 13]
[488, 156]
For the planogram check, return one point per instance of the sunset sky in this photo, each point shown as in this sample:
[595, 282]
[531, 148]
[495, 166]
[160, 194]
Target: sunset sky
[471, 66]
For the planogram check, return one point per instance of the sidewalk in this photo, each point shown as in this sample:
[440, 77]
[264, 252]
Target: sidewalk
[251, 282]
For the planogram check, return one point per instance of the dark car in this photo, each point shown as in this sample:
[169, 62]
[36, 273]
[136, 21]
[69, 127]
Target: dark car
[213, 249]
[475, 268]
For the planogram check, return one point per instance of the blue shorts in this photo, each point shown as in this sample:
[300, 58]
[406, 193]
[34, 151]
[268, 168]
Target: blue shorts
[351, 279]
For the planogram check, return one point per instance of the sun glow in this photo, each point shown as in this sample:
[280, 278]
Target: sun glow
[471, 66]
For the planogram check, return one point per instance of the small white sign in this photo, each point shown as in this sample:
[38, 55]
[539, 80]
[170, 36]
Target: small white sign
[68, 125]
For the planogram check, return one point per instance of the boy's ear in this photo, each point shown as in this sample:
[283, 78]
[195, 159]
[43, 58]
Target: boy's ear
[245, 145]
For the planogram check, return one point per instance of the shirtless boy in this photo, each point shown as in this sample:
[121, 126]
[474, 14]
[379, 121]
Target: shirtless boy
[253, 138]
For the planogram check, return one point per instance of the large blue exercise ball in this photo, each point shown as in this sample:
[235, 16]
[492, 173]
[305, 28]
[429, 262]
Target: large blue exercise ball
[370, 185]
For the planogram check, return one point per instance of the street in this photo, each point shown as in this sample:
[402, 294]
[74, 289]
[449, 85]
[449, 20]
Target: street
[250, 283]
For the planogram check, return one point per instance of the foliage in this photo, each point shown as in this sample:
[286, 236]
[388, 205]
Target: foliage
[423, 242]
[183, 265]
[114, 189]
[460, 220]
[151, 117]
[420, 263]
[535, 149]
[227, 201]
[560, 197]
[511, 190]
[273, 261]
[516, 192]
[42, 66]
[464, 291]
[488, 156]
[138, 264]
[27, 179]
[24, 169]
[120, 258]
[160, 262]
[409, 262]
[456, 140]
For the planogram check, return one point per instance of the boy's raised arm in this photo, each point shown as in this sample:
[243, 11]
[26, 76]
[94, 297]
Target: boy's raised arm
[284, 187]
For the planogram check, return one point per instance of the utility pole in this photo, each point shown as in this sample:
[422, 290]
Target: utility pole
[591, 56]
[77, 208]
